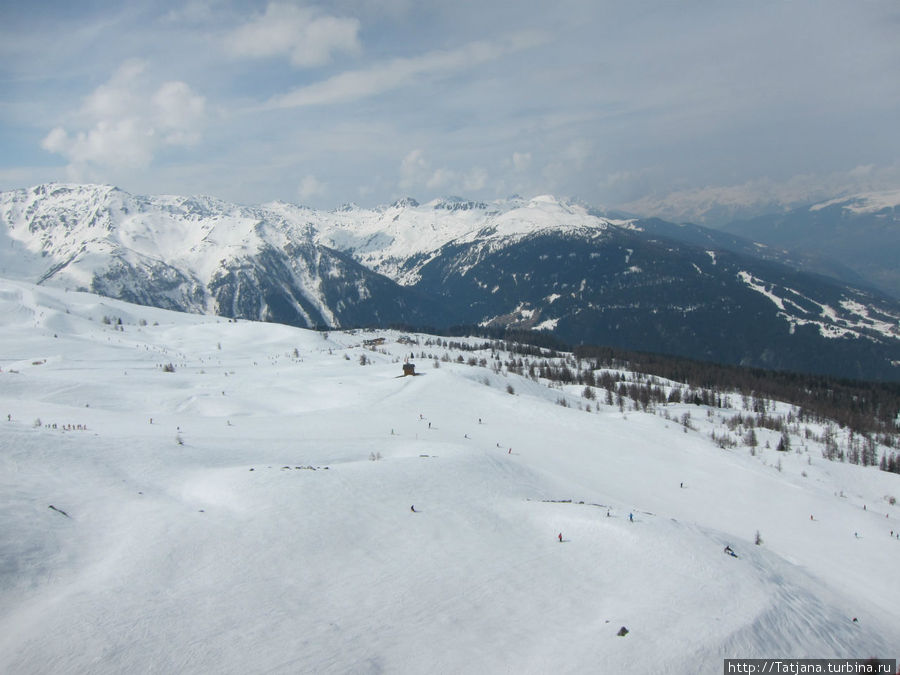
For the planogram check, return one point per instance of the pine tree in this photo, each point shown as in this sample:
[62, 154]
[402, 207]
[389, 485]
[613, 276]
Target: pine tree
[750, 438]
[784, 443]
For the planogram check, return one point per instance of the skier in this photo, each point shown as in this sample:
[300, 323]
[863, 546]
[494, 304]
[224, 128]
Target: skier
[413, 508]
[509, 452]
[630, 517]
[560, 537]
[68, 516]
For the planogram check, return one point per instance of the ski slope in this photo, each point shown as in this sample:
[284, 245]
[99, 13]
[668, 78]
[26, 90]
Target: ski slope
[250, 512]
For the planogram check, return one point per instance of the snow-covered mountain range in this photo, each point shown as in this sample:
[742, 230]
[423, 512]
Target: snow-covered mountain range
[78, 227]
[536, 264]
[400, 240]
[883, 202]
[191, 254]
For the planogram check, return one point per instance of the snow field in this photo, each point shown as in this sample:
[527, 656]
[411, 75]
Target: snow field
[268, 541]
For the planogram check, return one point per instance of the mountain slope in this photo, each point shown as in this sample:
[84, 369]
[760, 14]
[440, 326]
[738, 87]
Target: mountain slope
[622, 289]
[194, 255]
[707, 238]
[541, 264]
[233, 516]
[861, 232]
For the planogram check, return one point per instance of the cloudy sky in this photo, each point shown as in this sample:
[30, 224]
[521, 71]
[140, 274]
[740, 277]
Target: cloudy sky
[614, 103]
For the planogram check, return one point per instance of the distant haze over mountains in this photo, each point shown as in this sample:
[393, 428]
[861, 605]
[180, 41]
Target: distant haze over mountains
[855, 238]
[539, 264]
[861, 233]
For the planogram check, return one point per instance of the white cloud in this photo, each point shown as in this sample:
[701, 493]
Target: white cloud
[578, 152]
[413, 169]
[115, 143]
[310, 187]
[721, 203]
[179, 113]
[416, 171]
[667, 101]
[191, 12]
[475, 179]
[521, 160]
[124, 122]
[862, 171]
[118, 97]
[569, 160]
[357, 84]
[305, 35]
[441, 178]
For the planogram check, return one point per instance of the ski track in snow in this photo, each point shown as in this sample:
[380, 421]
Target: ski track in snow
[180, 558]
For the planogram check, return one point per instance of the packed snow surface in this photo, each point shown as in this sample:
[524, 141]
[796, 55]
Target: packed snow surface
[252, 512]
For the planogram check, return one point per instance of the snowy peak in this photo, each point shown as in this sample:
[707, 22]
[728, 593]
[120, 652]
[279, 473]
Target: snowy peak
[869, 202]
[405, 202]
[67, 234]
[454, 203]
[385, 239]
[57, 222]
[194, 254]
[539, 264]
[74, 229]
